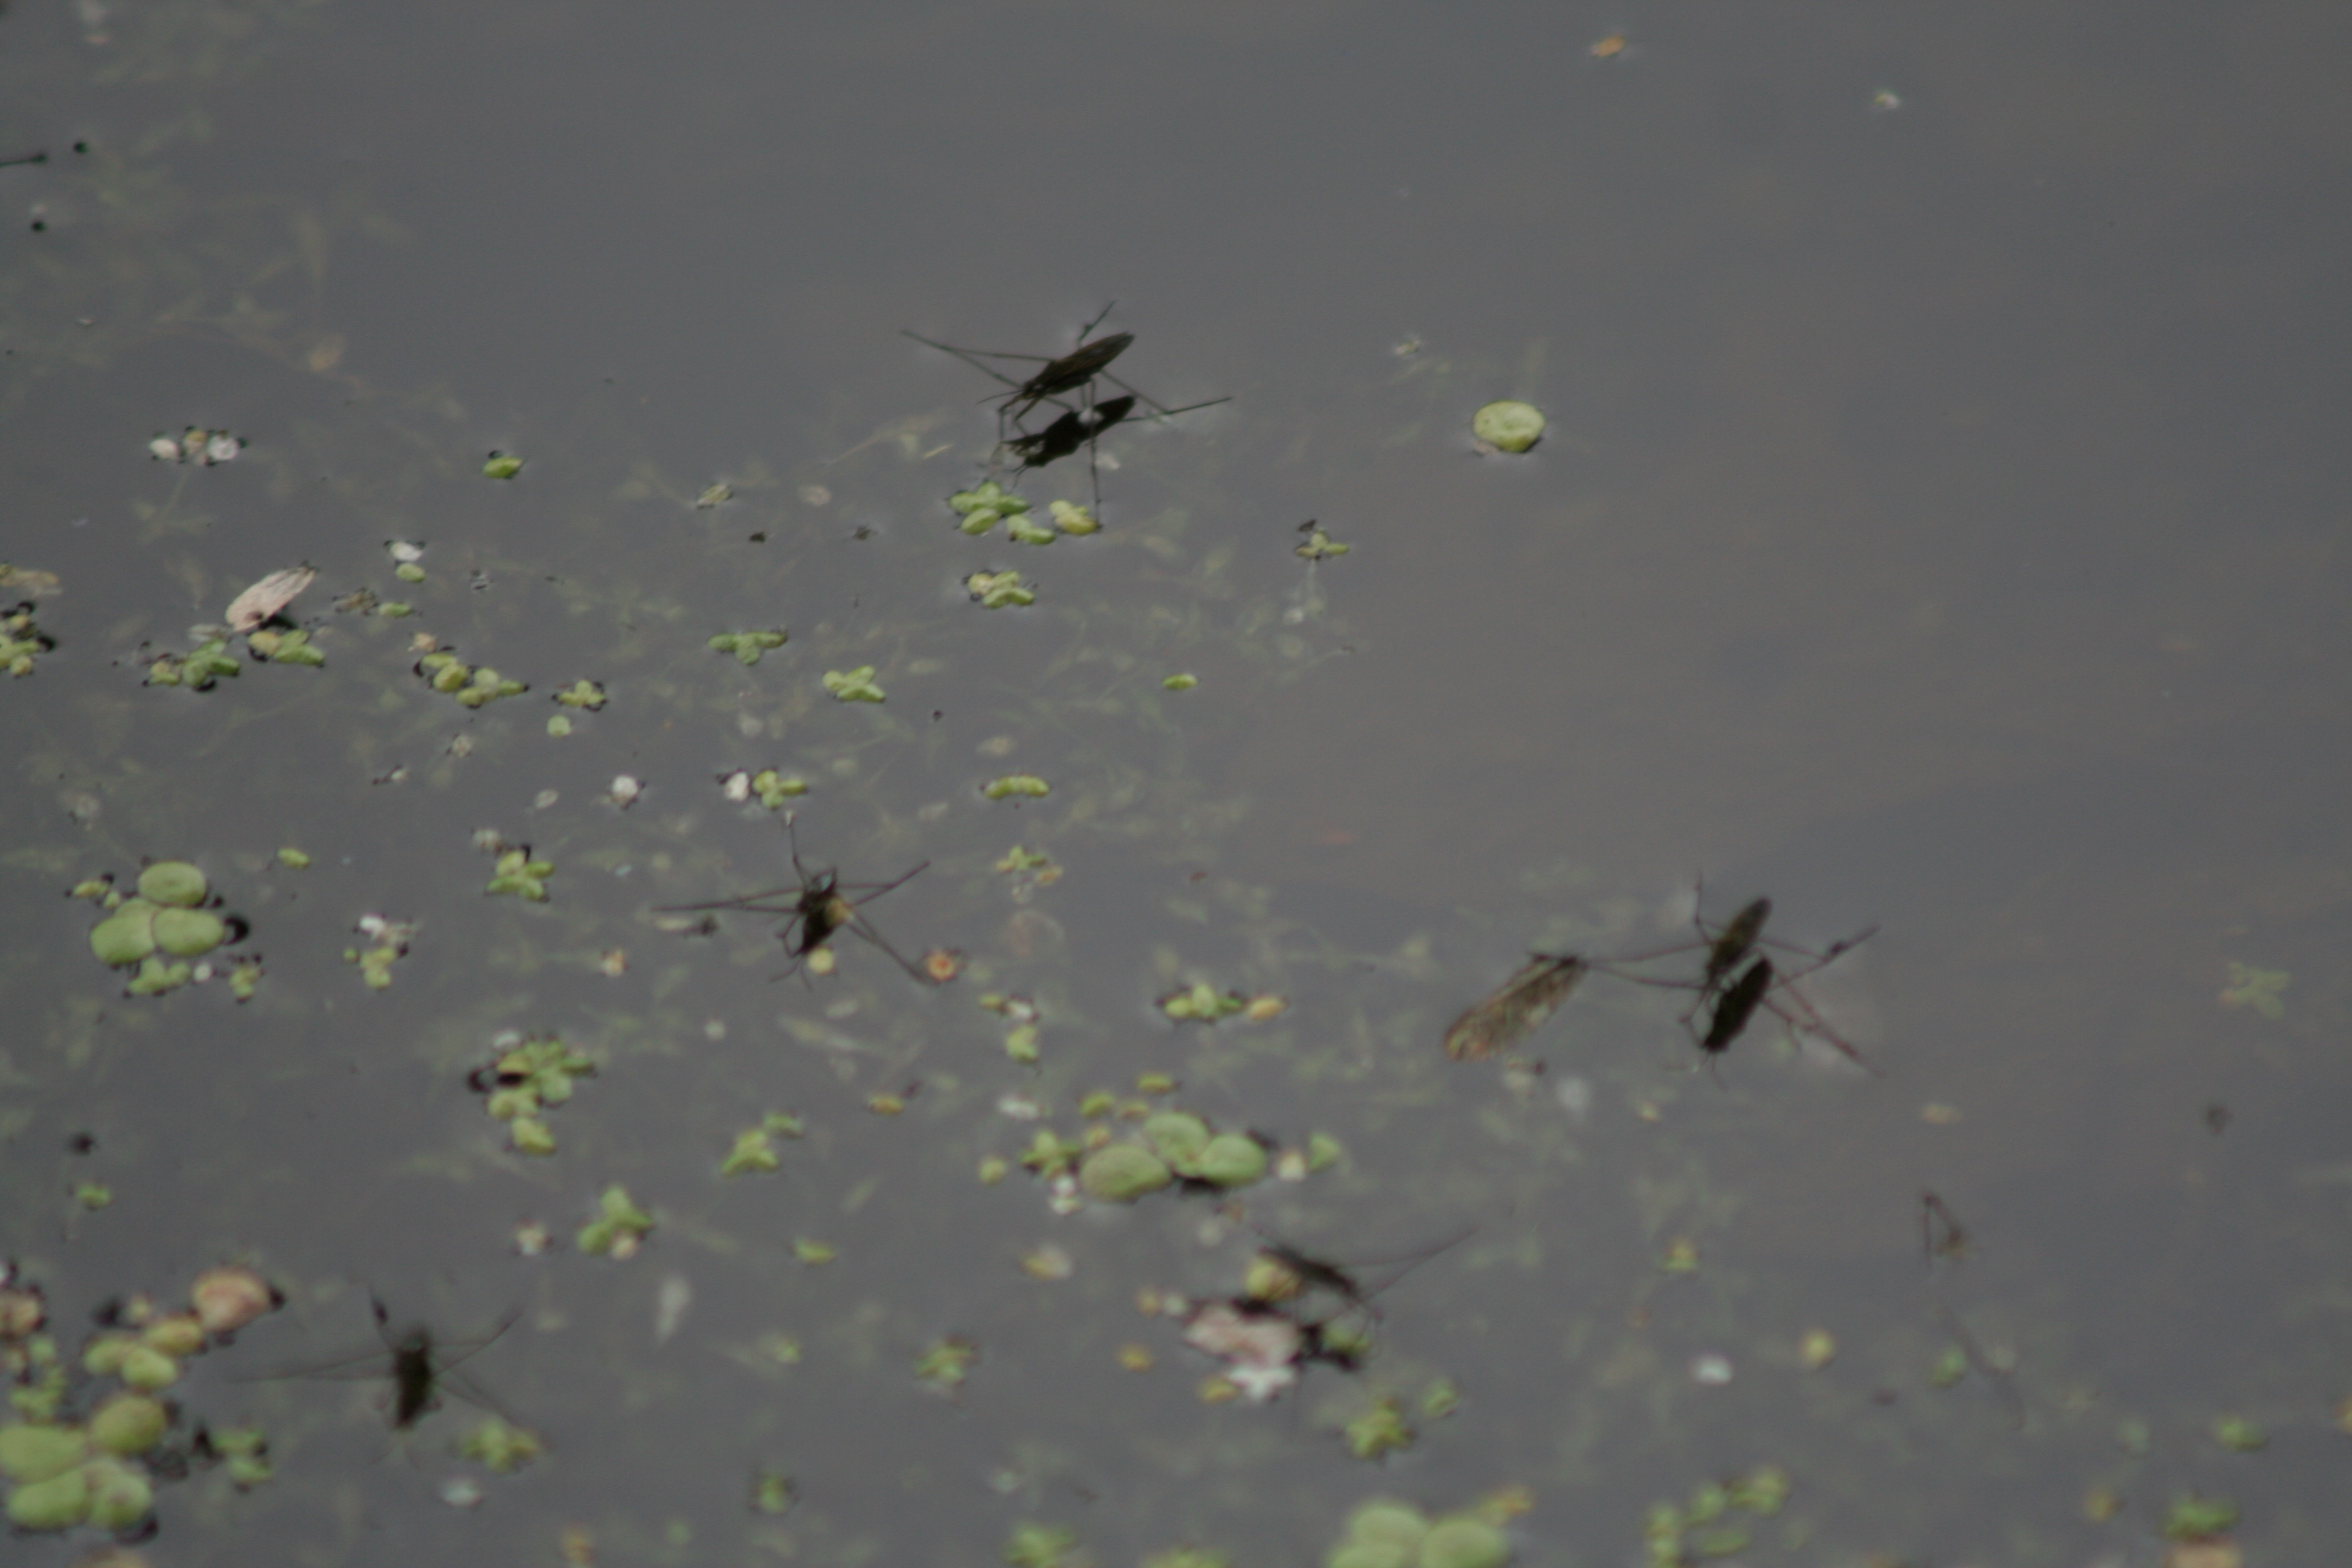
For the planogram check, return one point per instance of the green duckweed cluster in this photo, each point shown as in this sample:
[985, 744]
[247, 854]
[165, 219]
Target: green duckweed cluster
[473, 687]
[1386, 1533]
[102, 1468]
[747, 647]
[853, 685]
[1710, 1525]
[163, 930]
[999, 590]
[754, 1150]
[21, 640]
[526, 1077]
[619, 1227]
[518, 874]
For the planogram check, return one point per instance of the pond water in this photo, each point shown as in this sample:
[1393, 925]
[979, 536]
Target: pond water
[1938, 529]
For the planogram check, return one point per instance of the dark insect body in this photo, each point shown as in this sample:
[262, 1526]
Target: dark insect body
[1056, 381]
[1731, 1004]
[814, 909]
[416, 1365]
[1311, 1273]
[1735, 1004]
[1521, 1003]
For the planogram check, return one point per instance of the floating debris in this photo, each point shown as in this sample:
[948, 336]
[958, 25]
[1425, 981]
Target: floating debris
[196, 445]
[266, 597]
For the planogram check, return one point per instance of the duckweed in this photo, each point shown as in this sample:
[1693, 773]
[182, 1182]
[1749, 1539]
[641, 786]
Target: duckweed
[501, 466]
[452, 676]
[998, 590]
[1025, 785]
[618, 1227]
[22, 642]
[1509, 425]
[747, 647]
[984, 506]
[853, 685]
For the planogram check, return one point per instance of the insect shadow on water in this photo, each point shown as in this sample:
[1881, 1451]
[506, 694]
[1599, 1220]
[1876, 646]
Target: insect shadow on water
[415, 1364]
[1056, 379]
[1736, 980]
[815, 908]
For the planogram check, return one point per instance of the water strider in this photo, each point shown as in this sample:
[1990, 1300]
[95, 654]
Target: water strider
[416, 1366]
[1055, 381]
[814, 909]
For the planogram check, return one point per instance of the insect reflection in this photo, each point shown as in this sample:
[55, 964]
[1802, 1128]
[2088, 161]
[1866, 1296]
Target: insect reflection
[1730, 994]
[819, 905]
[1056, 379]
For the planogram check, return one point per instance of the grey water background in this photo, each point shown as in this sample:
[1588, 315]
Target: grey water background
[1938, 526]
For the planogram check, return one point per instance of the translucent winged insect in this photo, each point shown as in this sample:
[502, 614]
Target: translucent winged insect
[1269, 1331]
[817, 907]
[1735, 980]
[416, 1366]
[1055, 381]
[1521, 1003]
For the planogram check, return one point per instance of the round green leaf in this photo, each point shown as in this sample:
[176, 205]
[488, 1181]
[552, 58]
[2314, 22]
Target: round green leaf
[1509, 425]
[58, 1503]
[189, 933]
[1231, 1160]
[1178, 1135]
[1122, 1173]
[1464, 1543]
[127, 935]
[36, 1453]
[129, 1425]
[172, 882]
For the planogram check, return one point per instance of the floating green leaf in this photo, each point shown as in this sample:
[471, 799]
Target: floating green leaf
[1318, 545]
[946, 1363]
[2260, 989]
[1073, 519]
[997, 590]
[983, 506]
[1509, 425]
[520, 875]
[581, 693]
[286, 646]
[21, 641]
[2193, 1518]
[1380, 1428]
[197, 669]
[618, 1227]
[1122, 1173]
[747, 647]
[501, 466]
[853, 685]
[1027, 785]
[500, 1445]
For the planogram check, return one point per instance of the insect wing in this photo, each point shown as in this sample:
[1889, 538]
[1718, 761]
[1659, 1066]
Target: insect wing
[1525, 1001]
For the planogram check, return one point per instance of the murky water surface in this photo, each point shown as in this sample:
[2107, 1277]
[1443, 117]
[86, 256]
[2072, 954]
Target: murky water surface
[1938, 529]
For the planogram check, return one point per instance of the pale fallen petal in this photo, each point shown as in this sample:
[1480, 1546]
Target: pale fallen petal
[268, 596]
